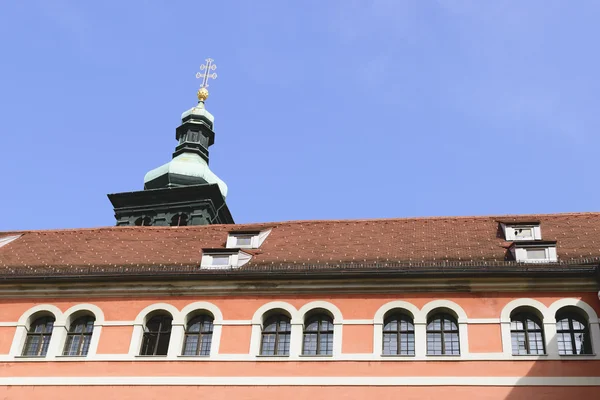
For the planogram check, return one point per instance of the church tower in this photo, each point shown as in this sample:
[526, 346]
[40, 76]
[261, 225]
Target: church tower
[183, 191]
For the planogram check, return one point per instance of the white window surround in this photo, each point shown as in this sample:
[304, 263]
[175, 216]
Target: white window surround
[520, 253]
[297, 318]
[59, 331]
[180, 319]
[256, 239]
[511, 232]
[4, 240]
[549, 323]
[235, 259]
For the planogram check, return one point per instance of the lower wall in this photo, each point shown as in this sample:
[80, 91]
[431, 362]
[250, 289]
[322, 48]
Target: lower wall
[296, 392]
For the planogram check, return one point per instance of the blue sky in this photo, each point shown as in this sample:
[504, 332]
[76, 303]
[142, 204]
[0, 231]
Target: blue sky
[324, 109]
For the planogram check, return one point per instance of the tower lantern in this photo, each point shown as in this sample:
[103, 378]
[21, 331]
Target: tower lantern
[183, 191]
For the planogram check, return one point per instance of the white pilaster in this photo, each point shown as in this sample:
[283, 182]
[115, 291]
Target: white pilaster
[136, 340]
[176, 341]
[57, 341]
[16, 349]
[337, 339]
[420, 339]
[216, 339]
[378, 338]
[506, 339]
[550, 338]
[296, 339]
[463, 331]
[255, 339]
[94, 340]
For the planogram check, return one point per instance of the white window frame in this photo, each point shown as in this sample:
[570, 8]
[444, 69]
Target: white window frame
[236, 259]
[510, 236]
[256, 239]
[520, 254]
[4, 240]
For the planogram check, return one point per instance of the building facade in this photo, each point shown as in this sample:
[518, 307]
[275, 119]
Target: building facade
[177, 301]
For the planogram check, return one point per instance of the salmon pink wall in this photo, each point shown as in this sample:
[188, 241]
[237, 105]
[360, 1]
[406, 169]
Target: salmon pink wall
[6, 337]
[485, 338]
[115, 340]
[323, 368]
[235, 339]
[357, 339]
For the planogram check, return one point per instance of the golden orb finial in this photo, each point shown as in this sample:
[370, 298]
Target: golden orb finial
[206, 74]
[202, 94]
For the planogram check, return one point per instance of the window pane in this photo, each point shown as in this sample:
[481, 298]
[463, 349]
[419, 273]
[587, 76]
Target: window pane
[283, 347]
[310, 344]
[243, 240]
[391, 326]
[148, 344]
[536, 344]
[163, 344]
[524, 233]
[205, 344]
[268, 344]
[190, 347]
[434, 343]
[390, 343]
[452, 344]
[32, 345]
[326, 345]
[220, 260]
[536, 254]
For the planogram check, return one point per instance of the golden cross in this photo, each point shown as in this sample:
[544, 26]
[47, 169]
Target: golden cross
[205, 72]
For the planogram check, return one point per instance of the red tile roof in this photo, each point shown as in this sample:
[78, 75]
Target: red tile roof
[413, 240]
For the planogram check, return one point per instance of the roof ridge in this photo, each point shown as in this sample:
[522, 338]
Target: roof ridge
[277, 223]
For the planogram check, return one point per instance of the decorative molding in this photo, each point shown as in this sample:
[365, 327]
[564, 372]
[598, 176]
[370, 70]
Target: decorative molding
[220, 288]
[367, 357]
[434, 305]
[259, 314]
[301, 381]
[525, 302]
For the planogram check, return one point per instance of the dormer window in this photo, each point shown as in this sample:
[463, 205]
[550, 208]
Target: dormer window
[246, 240]
[220, 259]
[533, 252]
[4, 240]
[516, 232]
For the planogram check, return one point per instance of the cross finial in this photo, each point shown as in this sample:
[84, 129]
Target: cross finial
[206, 74]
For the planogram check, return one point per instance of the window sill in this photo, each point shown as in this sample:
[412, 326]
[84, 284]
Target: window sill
[193, 356]
[316, 355]
[398, 355]
[577, 355]
[32, 357]
[530, 355]
[273, 356]
[67, 356]
[443, 355]
[151, 356]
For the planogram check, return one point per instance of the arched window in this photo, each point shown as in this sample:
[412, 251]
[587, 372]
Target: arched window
[79, 336]
[399, 335]
[180, 219]
[318, 336]
[38, 337]
[198, 336]
[276, 334]
[143, 221]
[157, 333]
[527, 334]
[573, 334]
[442, 335]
